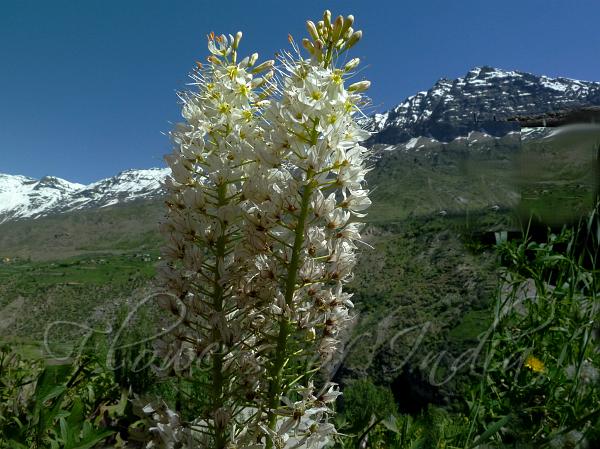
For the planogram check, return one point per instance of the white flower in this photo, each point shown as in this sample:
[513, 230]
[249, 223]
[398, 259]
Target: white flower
[321, 205]
[330, 394]
[337, 218]
[356, 201]
[267, 173]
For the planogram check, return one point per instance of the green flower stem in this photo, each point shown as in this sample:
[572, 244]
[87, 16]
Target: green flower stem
[285, 326]
[217, 298]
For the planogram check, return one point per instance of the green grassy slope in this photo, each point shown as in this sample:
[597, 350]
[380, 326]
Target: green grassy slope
[82, 292]
[424, 267]
[453, 177]
[116, 229]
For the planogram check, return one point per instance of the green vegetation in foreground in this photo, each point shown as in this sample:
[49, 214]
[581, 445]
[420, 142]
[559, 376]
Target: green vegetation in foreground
[429, 274]
[540, 383]
[537, 382]
[425, 282]
[539, 387]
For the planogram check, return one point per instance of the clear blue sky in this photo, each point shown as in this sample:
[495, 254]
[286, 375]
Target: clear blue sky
[88, 86]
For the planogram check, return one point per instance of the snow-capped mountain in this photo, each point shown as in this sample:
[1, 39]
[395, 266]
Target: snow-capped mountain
[462, 112]
[482, 100]
[23, 197]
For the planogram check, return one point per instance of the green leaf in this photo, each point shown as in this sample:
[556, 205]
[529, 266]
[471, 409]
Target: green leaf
[491, 431]
[52, 378]
[118, 409]
[51, 394]
[91, 440]
[62, 414]
[76, 416]
[64, 431]
[391, 424]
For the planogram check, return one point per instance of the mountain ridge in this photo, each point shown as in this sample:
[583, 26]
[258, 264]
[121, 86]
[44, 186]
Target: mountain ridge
[482, 100]
[25, 197]
[469, 108]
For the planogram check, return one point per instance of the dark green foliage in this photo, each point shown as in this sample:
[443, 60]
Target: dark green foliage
[542, 359]
[53, 411]
[131, 353]
[434, 428]
[364, 402]
[411, 292]
[133, 367]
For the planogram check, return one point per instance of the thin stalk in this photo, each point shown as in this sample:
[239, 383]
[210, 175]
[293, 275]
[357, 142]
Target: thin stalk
[366, 432]
[217, 297]
[285, 326]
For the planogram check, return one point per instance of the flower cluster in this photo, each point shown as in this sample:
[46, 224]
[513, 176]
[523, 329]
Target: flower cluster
[268, 180]
[167, 429]
[534, 364]
[213, 151]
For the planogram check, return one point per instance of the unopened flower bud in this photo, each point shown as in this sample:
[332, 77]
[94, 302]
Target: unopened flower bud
[361, 86]
[213, 60]
[347, 25]
[321, 28]
[257, 82]
[262, 104]
[327, 19]
[354, 38]
[236, 40]
[267, 76]
[319, 44]
[312, 30]
[264, 66]
[337, 28]
[352, 64]
[253, 59]
[306, 43]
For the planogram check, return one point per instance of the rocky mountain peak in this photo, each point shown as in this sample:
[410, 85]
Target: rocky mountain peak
[482, 100]
[23, 197]
[465, 110]
[52, 182]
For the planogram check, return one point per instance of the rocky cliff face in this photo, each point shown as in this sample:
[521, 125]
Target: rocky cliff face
[482, 100]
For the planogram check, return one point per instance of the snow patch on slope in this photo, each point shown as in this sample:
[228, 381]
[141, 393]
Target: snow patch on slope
[23, 197]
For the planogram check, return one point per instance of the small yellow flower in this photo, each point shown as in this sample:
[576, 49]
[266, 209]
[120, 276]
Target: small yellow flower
[232, 71]
[336, 77]
[534, 364]
[316, 95]
[224, 108]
